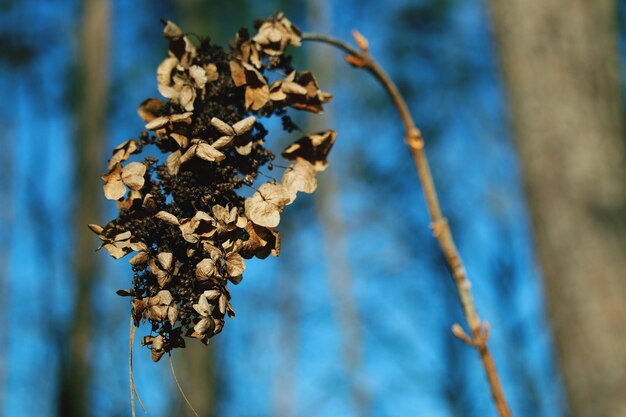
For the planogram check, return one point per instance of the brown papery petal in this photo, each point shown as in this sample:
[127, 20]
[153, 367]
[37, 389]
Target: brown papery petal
[222, 127]
[113, 187]
[157, 123]
[173, 162]
[300, 177]
[133, 175]
[149, 108]
[264, 207]
[164, 71]
[205, 269]
[257, 97]
[172, 31]
[209, 153]
[238, 73]
[167, 217]
[235, 265]
[165, 258]
[244, 126]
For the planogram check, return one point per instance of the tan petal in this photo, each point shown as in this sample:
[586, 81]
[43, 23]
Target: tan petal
[294, 88]
[220, 213]
[182, 117]
[172, 31]
[300, 177]
[163, 278]
[113, 186]
[222, 303]
[205, 269]
[139, 259]
[187, 97]
[166, 259]
[181, 140]
[172, 163]
[244, 149]
[97, 229]
[122, 152]
[164, 71]
[133, 175]
[122, 236]
[235, 265]
[257, 97]
[238, 73]
[203, 307]
[157, 123]
[198, 75]
[115, 251]
[188, 155]
[244, 126]
[209, 153]
[211, 72]
[158, 348]
[222, 142]
[204, 326]
[265, 205]
[211, 294]
[222, 127]
[172, 314]
[138, 246]
[149, 109]
[167, 217]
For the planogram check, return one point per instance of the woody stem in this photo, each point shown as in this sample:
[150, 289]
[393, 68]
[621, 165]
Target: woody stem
[439, 224]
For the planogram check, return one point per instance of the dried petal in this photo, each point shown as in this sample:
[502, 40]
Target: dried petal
[113, 186]
[165, 258]
[133, 175]
[265, 205]
[150, 108]
[139, 259]
[275, 34]
[300, 177]
[172, 163]
[172, 31]
[123, 151]
[209, 153]
[167, 217]
[312, 148]
[97, 229]
[205, 269]
[211, 72]
[234, 264]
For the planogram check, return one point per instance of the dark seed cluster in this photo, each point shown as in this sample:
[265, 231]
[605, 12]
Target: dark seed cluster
[183, 215]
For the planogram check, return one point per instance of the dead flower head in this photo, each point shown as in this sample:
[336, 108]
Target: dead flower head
[188, 216]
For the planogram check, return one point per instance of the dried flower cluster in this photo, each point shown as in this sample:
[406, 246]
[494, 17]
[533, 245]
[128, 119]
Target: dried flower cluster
[184, 215]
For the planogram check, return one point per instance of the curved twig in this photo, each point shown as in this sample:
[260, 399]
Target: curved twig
[479, 330]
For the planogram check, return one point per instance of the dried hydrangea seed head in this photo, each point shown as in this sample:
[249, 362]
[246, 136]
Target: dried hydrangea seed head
[183, 214]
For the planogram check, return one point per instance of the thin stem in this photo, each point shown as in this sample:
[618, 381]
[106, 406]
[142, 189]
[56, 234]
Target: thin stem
[439, 224]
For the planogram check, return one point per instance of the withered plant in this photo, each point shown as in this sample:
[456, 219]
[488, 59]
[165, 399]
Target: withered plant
[214, 199]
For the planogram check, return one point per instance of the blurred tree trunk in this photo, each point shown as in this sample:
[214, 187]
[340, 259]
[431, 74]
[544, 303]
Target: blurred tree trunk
[561, 64]
[91, 107]
[6, 221]
[284, 395]
[336, 253]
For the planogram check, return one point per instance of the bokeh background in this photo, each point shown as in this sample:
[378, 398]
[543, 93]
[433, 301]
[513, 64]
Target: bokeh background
[353, 318]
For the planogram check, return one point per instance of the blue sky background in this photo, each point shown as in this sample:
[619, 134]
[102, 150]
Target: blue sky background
[442, 55]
